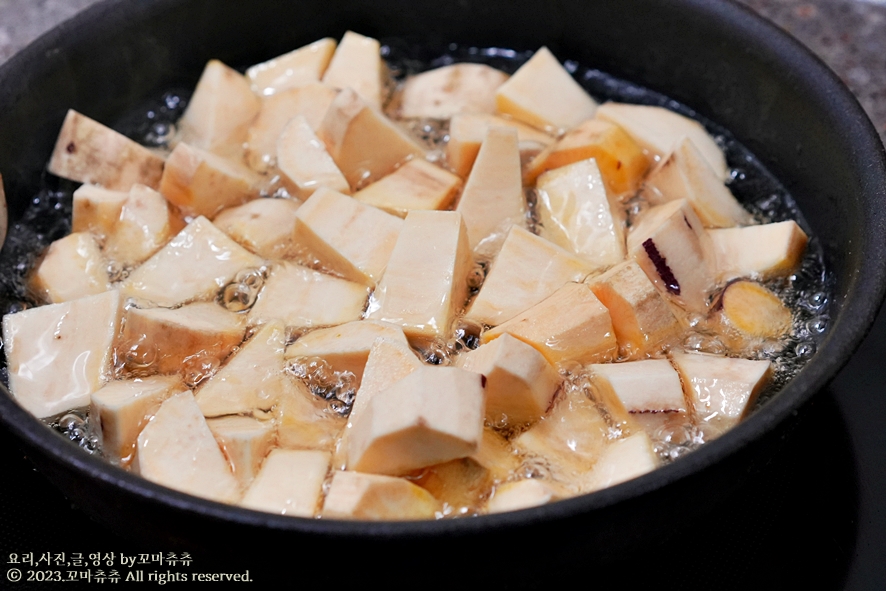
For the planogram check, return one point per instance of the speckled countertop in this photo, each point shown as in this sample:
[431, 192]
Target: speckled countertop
[849, 35]
[22, 21]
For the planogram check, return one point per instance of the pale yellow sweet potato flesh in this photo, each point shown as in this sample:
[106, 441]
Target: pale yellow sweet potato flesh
[567, 360]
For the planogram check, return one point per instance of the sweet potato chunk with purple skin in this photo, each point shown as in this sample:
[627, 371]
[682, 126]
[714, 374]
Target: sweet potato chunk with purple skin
[88, 152]
[676, 254]
[584, 335]
[520, 383]
[621, 161]
[648, 385]
[642, 319]
[353, 495]
[433, 415]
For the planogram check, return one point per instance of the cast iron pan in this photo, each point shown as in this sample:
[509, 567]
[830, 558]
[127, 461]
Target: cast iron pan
[716, 57]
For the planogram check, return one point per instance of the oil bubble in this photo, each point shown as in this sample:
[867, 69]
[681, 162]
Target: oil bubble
[476, 276]
[339, 388]
[198, 368]
[237, 297]
[70, 421]
[339, 407]
[816, 300]
[438, 352]
[535, 467]
[139, 356]
[74, 425]
[242, 292]
[804, 349]
[817, 325]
